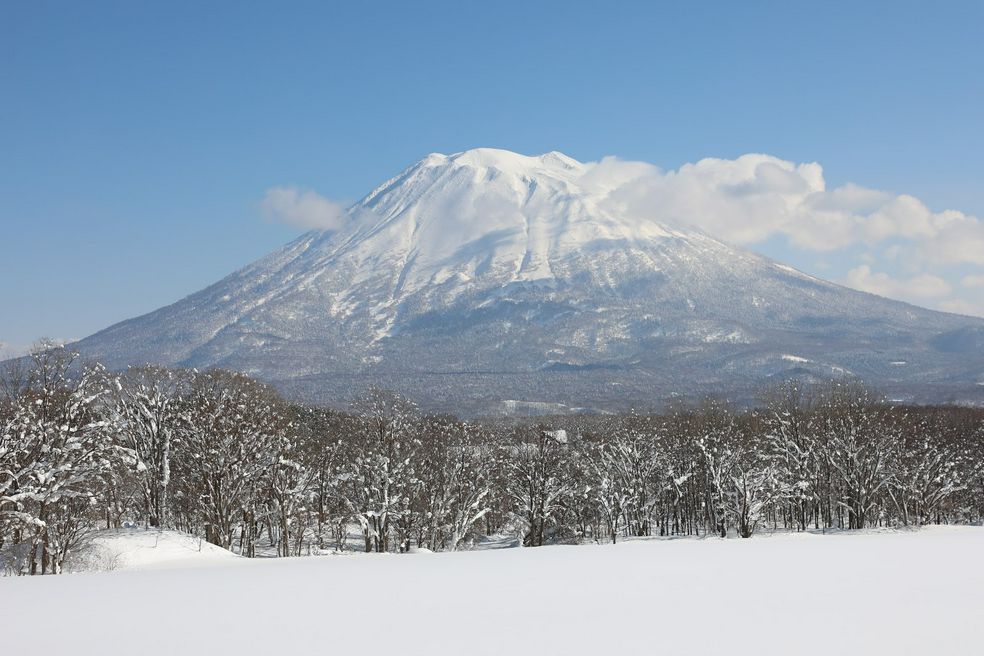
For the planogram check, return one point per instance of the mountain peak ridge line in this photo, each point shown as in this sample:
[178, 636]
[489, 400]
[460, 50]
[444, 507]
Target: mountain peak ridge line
[490, 261]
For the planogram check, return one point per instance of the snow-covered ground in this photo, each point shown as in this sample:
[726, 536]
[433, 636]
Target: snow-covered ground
[129, 549]
[919, 592]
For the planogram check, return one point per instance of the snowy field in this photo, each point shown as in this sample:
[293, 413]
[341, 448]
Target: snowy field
[917, 592]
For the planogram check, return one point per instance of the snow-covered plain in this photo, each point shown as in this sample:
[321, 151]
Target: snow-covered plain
[916, 592]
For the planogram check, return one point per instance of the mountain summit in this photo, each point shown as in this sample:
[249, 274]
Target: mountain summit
[488, 281]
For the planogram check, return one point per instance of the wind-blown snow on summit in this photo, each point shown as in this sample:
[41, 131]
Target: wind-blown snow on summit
[487, 281]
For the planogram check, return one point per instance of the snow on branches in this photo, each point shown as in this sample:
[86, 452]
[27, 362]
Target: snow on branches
[223, 456]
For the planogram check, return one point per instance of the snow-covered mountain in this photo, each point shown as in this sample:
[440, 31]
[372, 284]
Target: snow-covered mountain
[490, 281]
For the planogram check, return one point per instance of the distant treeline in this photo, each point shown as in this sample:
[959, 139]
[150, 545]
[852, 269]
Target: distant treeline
[223, 456]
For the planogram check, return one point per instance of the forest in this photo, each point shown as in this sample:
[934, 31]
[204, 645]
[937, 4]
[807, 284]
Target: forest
[225, 457]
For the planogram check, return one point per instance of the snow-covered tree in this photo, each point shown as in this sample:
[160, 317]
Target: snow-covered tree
[379, 480]
[742, 481]
[228, 434]
[289, 479]
[455, 466]
[537, 484]
[147, 418]
[55, 453]
[861, 441]
[791, 441]
[628, 473]
[927, 470]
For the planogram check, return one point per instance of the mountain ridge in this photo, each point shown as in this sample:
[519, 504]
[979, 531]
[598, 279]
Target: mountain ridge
[473, 279]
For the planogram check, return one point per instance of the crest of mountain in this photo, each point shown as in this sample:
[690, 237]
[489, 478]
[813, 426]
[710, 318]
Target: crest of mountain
[489, 281]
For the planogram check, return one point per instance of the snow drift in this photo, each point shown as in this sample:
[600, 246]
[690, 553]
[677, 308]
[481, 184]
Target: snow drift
[138, 548]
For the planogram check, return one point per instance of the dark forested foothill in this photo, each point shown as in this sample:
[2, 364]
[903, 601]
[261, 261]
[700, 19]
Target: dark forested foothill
[225, 457]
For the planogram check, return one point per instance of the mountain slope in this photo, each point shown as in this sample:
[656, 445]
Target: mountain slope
[486, 276]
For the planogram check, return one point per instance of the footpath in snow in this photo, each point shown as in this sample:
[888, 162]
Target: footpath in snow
[914, 592]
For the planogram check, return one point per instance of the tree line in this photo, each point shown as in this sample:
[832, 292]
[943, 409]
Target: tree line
[223, 456]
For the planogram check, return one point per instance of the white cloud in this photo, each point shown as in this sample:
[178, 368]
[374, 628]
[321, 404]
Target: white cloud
[755, 197]
[923, 286]
[8, 350]
[963, 306]
[973, 281]
[303, 209]
[851, 198]
[959, 239]
[744, 200]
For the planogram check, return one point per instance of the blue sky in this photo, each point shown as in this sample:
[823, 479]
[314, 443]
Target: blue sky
[137, 140]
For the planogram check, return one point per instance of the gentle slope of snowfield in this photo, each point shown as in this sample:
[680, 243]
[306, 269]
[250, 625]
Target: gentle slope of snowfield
[129, 549]
[875, 593]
